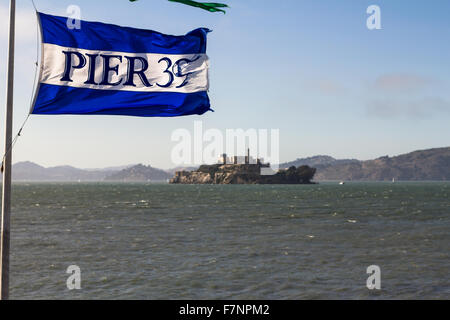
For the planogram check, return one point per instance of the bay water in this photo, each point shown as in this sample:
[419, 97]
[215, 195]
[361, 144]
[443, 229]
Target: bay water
[161, 241]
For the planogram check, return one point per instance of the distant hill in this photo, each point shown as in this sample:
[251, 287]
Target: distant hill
[111, 169]
[139, 173]
[316, 162]
[173, 170]
[29, 171]
[431, 164]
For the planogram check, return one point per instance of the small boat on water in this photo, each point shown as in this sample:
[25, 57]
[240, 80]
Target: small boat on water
[342, 183]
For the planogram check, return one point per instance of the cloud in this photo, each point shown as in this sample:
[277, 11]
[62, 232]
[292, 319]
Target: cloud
[421, 108]
[401, 82]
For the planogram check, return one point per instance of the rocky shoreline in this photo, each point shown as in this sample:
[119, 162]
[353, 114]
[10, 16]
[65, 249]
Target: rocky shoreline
[243, 174]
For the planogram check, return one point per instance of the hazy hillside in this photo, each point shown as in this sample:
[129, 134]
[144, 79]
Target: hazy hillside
[139, 173]
[29, 171]
[432, 164]
[316, 162]
[173, 170]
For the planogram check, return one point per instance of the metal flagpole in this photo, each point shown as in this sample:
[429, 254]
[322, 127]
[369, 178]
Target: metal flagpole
[6, 190]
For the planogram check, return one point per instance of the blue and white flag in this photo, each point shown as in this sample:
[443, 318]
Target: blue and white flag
[107, 69]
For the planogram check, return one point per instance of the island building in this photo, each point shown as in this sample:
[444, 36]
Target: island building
[237, 160]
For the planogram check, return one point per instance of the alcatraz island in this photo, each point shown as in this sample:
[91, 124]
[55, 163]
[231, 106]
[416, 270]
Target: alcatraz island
[244, 170]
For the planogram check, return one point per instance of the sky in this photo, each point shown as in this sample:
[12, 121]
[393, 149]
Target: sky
[310, 68]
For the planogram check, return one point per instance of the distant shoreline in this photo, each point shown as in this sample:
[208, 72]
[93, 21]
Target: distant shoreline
[422, 165]
[317, 182]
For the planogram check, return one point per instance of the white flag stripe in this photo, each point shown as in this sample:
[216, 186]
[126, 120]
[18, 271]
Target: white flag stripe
[165, 72]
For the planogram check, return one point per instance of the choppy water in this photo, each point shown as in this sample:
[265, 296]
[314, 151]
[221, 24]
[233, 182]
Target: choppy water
[144, 241]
